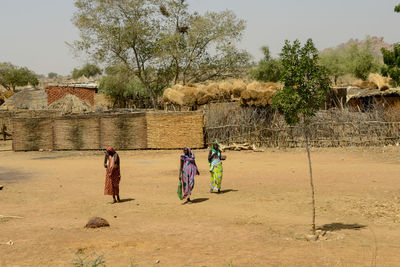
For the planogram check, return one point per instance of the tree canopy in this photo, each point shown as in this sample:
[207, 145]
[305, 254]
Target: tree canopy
[12, 76]
[356, 59]
[122, 87]
[391, 58]
[268, 69]
[305, 83]
[88, 70]
[52, 75]
[160, 42]
[397, 8]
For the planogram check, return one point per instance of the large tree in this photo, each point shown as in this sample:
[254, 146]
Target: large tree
[334, 61]
[88, 70]
[305, 88]
[268, 69]
[391, 58]
[160, 41]
[12, 76]
[121, 87]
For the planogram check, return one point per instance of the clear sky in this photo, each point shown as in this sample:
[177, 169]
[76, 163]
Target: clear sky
[33, 32]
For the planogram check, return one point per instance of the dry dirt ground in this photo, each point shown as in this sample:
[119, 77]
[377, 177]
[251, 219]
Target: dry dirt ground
[261, 219]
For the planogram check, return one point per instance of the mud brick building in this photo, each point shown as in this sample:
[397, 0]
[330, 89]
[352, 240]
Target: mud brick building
[83, 91]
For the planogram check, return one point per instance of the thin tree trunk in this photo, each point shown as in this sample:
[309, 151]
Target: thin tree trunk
[311, 177]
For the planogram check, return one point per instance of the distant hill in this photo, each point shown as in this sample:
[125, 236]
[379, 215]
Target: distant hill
[376, 44]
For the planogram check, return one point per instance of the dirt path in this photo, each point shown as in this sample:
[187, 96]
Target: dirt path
[260, 219]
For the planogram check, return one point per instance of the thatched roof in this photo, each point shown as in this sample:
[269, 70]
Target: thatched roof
[356, 93]
[71, 104]
[28, 98]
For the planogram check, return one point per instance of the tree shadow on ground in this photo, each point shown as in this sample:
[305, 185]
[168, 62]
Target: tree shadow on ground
[126, 200]
[341, 226]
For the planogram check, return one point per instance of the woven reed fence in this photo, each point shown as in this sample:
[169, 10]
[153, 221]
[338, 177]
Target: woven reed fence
[175, 130]
[97, 131]
[126, 131]
[265, 127]
[32, 134]
[6, 116]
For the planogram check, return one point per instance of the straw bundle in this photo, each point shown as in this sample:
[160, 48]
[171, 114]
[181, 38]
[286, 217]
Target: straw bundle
[189, 96]
[259, 93]
[381, 82]
[213, 91]
[225, 90]
[238, 87]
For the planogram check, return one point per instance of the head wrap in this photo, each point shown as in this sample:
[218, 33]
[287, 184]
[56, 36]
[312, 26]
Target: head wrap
[212, 147]
[189, 157]
[110, 149]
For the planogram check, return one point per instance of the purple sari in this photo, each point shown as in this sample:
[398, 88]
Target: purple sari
[189, 170]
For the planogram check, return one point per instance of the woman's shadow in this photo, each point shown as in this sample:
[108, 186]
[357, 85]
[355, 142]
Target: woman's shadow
[126, 200]
[196, 200]
[225, 191]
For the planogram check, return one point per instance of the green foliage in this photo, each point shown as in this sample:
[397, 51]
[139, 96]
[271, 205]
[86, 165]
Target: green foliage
[356, 59]
[361, 62]
[335, 63]
[52, 75]
[160, 41]
[397, 8]
[121, 86]
[268, 69]
[12, 76]
[306, 83]
[392, 63]
[88, 70]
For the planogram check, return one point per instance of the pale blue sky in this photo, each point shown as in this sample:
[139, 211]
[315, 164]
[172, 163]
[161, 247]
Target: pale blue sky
[33, 32]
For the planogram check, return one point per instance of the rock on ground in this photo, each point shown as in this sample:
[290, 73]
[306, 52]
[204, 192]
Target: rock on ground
[97, 222]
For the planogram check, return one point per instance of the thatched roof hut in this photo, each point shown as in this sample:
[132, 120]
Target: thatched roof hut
[28, 98]
[367, 99]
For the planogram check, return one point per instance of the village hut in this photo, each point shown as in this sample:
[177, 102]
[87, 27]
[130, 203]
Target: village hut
[368, 99]
[29, 98]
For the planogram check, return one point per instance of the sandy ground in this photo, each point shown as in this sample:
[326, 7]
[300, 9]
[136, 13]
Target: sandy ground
[261, 219]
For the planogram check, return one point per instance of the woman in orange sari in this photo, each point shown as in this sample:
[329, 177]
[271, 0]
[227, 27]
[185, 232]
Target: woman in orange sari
[113, 174]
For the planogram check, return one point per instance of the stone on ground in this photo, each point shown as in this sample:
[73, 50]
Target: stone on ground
[97, 222]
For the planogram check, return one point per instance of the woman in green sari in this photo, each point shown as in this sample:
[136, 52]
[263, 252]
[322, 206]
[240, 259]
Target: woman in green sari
[214, 158]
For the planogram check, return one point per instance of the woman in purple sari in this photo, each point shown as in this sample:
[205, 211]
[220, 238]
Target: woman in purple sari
[187, 172]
